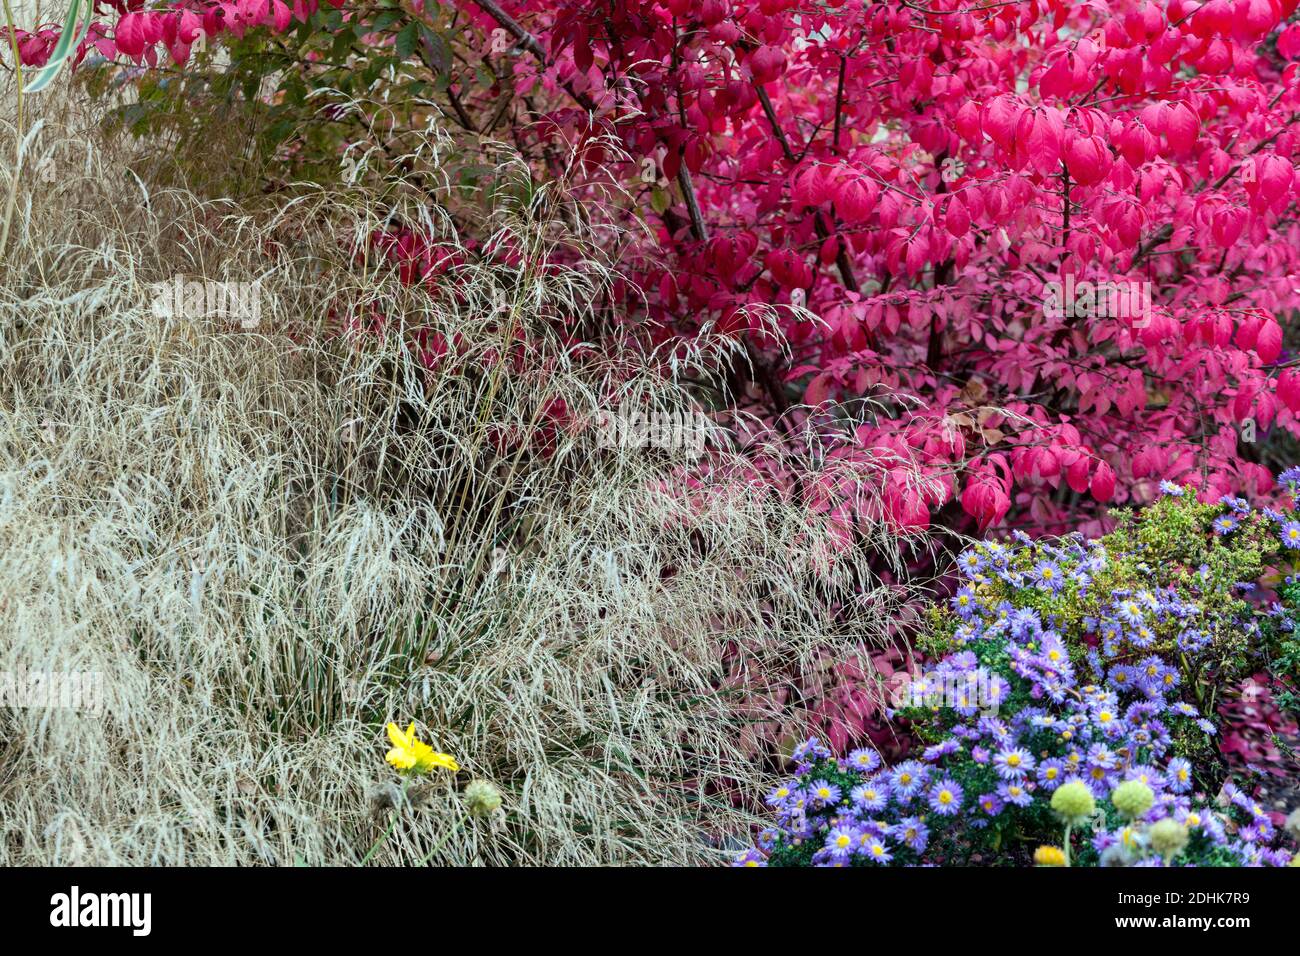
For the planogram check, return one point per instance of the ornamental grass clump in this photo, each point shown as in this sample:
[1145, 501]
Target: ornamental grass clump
[1071, 708]
[389, 496]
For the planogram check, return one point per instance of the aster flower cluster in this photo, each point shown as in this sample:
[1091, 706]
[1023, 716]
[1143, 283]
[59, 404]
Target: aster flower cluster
[1078, 663]
[921, 812]
[977, 792]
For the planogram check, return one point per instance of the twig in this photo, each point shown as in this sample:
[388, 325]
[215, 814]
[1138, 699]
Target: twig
[698, 226]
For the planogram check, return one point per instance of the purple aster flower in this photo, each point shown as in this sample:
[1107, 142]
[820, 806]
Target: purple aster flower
[1050, 774]
[1054, 652]
[1102, 756]
[1291, 534]
[945, 797]
[1015, 792]
[1142, 636]
[1100, 778]
[841, 841]
[751, 857]
[1150, 670]
[963, 602]
[1013, 764]
[1123, 676]
[991, 803]
[780, 797]
[1237, 505]
[811, 749]
[940, 750]
[912, 832]
[1049, 575]
[876, 851]
[1129, 612]
[1224, 524]
[1170, 488]
[864, 760]
[1148, 775]
[1111, 632]
[1192, 640]
[908, 777]
[1179, 774]
[823, 793]
[870, 797]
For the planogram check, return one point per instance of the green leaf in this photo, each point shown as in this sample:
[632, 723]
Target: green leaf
[278, 132]
[406, 39]
[342, 46]
[385, 19]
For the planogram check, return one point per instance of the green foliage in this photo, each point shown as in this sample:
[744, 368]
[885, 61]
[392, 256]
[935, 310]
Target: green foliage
[1170, 549]
[286, 107]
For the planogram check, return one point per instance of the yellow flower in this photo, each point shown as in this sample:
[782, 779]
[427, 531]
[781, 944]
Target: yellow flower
[1049, 856]
[409, 754]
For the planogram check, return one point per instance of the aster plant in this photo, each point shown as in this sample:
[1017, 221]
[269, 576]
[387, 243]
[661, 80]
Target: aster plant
[1070, 719]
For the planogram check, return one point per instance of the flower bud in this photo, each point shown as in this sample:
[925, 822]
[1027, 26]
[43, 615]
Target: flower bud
[1073, 801]
[1132, 798]
[1168, 836]
[482, 799]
